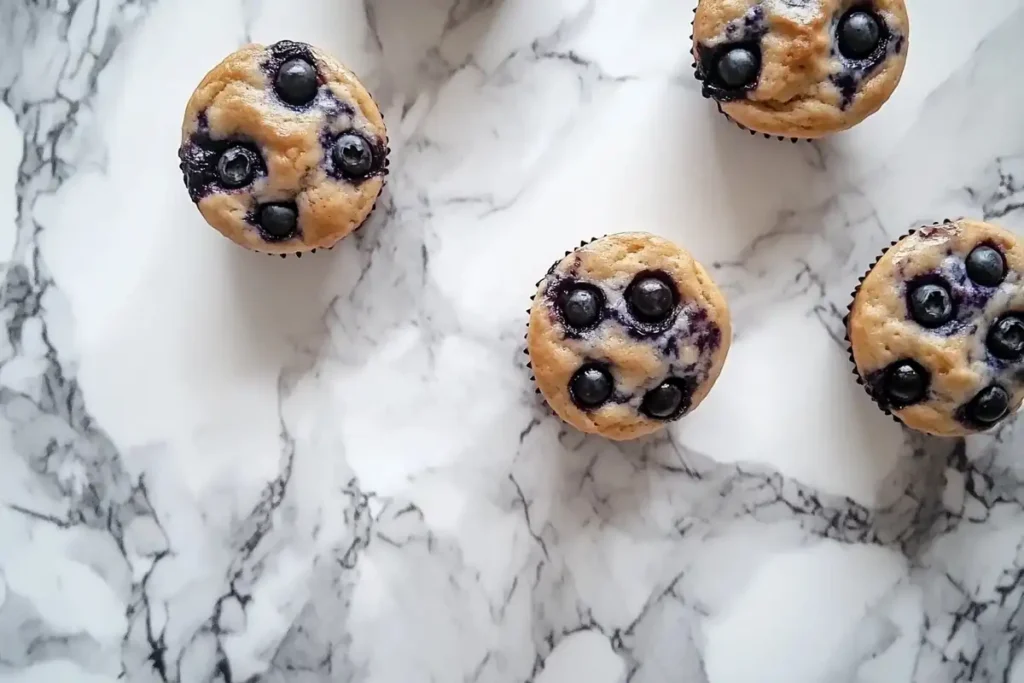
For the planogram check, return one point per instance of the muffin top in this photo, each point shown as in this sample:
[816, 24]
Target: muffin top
[800, 68]
[627, 333]
[283, 149]
[937, 328]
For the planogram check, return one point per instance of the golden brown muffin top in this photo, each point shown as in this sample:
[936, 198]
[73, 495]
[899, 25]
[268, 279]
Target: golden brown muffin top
[293, 130]
[937, 328]
[810, 67]
[658, 366]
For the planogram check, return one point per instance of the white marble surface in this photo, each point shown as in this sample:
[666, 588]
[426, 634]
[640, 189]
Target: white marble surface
[217, 466]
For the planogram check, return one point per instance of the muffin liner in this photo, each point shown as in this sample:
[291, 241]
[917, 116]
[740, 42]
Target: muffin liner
[704, 93]
[529, 311]
[849, 312]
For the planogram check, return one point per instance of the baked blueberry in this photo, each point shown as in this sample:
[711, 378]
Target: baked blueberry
[296, 82]
[664, 402]
[905, 383]
[597, 364]
[236, 167]
[799, 68]
[278, 221]
[581, 306]
[986, 266]
[858, 34]
[963, 376]
[990, 406]
[650, 298]
[1006, 338]
[264, 103]
[591, 386]
[353, 156]
[931, 305]
[737, 68]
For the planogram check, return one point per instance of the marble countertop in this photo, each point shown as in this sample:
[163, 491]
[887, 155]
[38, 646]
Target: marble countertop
[218, 466]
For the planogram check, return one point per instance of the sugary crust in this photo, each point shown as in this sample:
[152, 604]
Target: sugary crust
[238, 101]
[794, 96]
[637, 364]
[881, 330]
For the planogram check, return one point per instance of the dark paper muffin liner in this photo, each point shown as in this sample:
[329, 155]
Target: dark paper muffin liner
[849, 312]
[529, 311]
[706, 95]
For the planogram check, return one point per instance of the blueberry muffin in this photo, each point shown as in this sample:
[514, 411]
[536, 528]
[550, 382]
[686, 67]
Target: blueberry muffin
[800, 68]
[282, 149]
[937, 328]
[626, 334]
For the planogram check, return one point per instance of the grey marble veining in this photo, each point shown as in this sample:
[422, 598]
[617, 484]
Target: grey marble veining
[216, 466]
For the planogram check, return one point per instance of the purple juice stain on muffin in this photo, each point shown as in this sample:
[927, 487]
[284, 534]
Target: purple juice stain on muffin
[730, 69]
[292, 71]
[861, 42]
[967, 298]
[351, 156]
[208, 165]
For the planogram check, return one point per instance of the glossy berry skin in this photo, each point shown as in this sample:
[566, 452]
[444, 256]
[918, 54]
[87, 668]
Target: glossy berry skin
[906, 383]
[296, 82]
[278, 221]
[990, 406]
[664, 402]
[353, 156]
[986, 266]
[931, 305]
[650, 299]
[581, 307]
[236, 167]
[591, 386]
[858, 34]
[1006, 338]
[737, 68]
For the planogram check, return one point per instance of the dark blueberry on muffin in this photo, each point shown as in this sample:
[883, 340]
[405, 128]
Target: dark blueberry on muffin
[990, 406]
[986, 266]
[1006, 340]
[858, 34]
[591, 386]
[296, 82]
[905, 383]
[931, 305]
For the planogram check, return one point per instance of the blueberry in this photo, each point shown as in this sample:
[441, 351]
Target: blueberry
[737, 68]
[236, 167]
[353, 156]
[931, 305]
[1006, 339]
[581, 306]
[590, 386]
[664, 402]
[990, 406]
[650, 298]
[858, 34]
[296, 82]
[905, 383]
[278, 221]
[986, 266]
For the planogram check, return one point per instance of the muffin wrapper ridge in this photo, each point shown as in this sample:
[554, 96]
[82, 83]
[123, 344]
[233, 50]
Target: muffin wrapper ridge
[529, 311]
[849, 312]
[696, 75]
